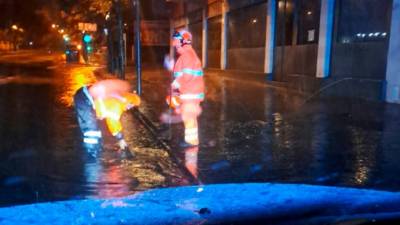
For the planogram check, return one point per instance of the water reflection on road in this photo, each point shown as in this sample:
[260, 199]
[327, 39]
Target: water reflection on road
[249, 133]
[266, 134]
[40, 143]
[252, 132]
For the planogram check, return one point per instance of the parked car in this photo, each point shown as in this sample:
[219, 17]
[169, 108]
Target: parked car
[72, 53]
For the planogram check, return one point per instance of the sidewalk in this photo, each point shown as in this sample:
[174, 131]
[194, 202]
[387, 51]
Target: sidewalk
[252, 132]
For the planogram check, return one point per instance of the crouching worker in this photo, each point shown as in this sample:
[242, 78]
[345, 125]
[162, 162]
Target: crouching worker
[104, 100]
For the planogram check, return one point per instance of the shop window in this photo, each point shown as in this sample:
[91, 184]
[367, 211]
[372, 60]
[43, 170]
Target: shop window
[197, 31]
[298, 22]
[246, 27]
[308, 21]
[214, 42]
[285, 22]
[363, 20]
[214, 33]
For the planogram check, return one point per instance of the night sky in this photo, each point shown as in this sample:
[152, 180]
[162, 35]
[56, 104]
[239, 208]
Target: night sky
[32, 15]
[37, 16]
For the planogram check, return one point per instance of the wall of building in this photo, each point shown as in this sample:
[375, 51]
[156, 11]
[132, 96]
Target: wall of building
[299, 60]
[359, 60]
[155, 32]
[214, 42]
[360, 42]
[392, 83]
[360, 47]
[246, 38]
[197, 31]
[195, 26]
[340, 44]
[296, 48]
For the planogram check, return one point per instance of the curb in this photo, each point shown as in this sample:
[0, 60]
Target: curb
[149, 125]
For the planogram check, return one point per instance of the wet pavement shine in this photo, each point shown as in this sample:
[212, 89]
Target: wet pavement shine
[253, 132]
[249, 132]
[41, 157]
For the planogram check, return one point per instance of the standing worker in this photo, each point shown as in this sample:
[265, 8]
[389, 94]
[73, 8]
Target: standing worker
[106, 99]
[187, 86]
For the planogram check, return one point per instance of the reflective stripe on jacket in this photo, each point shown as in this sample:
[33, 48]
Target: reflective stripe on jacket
[188, 75]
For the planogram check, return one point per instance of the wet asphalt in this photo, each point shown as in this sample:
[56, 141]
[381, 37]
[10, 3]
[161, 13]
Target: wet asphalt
[253, 132]
[249, 132]
[41, 153]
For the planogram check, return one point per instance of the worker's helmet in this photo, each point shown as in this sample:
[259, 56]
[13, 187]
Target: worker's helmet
[184, 37]
[132, 99]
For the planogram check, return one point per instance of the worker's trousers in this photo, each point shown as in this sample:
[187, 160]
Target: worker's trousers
[86, 117]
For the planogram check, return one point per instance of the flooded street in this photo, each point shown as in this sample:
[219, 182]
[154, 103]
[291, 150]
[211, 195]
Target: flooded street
[271, 135]
[250, 132]
[225, 112]
[42, 158]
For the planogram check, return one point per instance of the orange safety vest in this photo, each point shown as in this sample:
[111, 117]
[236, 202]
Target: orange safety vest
[111, 110]
[188, 76]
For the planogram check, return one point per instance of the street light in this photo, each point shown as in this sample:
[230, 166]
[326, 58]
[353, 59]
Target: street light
[14, 27]
[66, 38]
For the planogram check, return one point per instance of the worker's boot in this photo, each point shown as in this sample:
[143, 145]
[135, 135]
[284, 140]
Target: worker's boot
[93, 150]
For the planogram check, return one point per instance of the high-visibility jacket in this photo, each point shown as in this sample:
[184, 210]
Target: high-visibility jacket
[188, 76]
[111, 110]
[109, 87]
[112, 107]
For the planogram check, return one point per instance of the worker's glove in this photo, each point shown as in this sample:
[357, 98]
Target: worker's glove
[121, 141]
[122, 144]
[169, 63]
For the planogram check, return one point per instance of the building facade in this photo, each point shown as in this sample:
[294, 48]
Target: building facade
[332, 47]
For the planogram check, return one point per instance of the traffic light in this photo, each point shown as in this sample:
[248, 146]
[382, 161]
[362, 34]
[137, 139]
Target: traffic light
[87, 41]
[87, 38]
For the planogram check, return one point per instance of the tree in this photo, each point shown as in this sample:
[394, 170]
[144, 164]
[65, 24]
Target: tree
[107, 14]
[112, 11]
